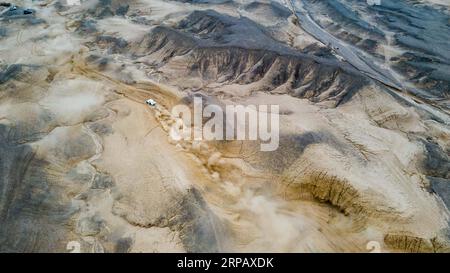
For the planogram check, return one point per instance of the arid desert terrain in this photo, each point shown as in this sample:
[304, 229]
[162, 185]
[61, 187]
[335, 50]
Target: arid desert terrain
[363, 89]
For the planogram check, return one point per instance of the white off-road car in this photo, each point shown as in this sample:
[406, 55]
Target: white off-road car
[150, 102]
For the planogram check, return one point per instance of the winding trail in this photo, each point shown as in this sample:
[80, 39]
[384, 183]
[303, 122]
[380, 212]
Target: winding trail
[97, 142]
[361, 62]
[348, 52]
